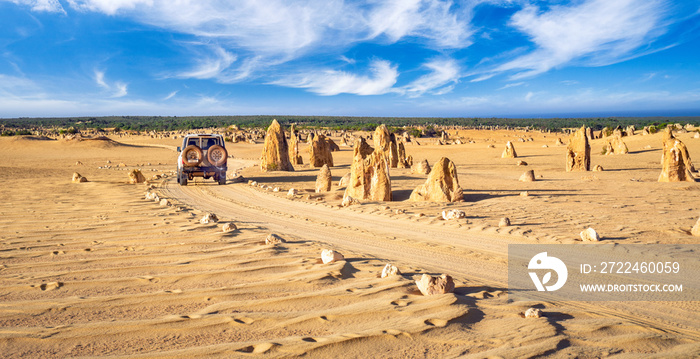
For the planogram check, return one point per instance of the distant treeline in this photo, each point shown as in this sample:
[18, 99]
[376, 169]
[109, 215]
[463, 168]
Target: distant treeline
[175, 123]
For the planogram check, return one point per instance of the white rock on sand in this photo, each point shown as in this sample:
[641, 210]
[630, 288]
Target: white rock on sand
[292, 192]
[533, 313]
[589, 235]
[349, 201]
[273, 239]
[696, 229]
[330, 256]
[209, 218]
[390, 270]
[435, 285]
[228, 227]
[505, 222]
[453, 214]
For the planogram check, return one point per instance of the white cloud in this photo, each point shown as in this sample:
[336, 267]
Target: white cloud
[170, 95]
[515, 84]
[431, 19]
[332, 82]
[212, 66]
[109, 7]
[119, 88]
[100, 79]
[592, 33]
[442, 72]
[41, 5]
[274, 32]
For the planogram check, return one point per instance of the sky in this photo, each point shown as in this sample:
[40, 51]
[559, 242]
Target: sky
[389, 58]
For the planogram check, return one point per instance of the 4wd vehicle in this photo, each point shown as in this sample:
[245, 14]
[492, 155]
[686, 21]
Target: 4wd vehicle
[202, 155]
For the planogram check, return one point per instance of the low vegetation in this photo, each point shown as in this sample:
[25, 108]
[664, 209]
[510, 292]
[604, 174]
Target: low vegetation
[13, 126]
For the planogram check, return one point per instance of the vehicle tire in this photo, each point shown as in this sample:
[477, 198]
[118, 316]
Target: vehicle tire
[192, 156]
[217, 155]
[183, 179]
[222, 178]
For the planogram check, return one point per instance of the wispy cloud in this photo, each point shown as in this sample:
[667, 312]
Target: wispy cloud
[170, 95]
[118, 89]
[331, 82]
[275, 32]
[593, 33]
[430, 19]
[211, 66]
[109, 7]
[442, 72]
[514, 84]
[42, 5]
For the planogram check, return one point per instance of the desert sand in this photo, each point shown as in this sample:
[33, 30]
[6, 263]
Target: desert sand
[95, 269]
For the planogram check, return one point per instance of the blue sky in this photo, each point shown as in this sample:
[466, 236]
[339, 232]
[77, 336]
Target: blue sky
[357, 58]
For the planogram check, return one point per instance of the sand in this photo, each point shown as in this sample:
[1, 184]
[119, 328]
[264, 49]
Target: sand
[95, 269]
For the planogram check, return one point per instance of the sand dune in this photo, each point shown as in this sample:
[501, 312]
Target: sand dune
[95, 269]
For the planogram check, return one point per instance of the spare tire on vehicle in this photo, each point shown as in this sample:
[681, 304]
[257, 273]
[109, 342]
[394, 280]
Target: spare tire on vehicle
[192, 156]
[217, 155]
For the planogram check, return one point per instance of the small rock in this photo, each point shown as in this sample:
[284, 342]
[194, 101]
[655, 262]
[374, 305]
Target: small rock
[78, 178]
[589, 235]
[349, 201]
[435, 285]
[78, 163]
[505, 222]
[453, 214]
[524, 194]
[330, 256]
[390, 270]
[598, 168]
[343, 182]
[276, 189]
[292, 192]
[209, 218]
[533, 313]
[165, 203]
[399, 211]
[273, 239]
[135, 176]
[228, 227]
[522, 163]
[696, 229]
[528, 176]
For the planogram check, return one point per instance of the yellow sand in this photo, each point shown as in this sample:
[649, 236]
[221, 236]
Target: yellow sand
[94, 269]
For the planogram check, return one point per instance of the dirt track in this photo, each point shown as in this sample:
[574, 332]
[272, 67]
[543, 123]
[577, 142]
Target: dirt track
[480, 259]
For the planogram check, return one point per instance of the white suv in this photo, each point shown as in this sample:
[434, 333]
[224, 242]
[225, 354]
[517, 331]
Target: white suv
[202, 155]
